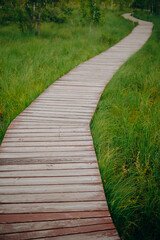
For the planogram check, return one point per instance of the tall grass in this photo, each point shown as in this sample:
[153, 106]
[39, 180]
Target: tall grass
[126, 133]
[29, 64]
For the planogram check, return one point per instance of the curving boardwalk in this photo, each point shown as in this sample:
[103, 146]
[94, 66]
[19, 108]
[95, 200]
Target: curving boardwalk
[50, 185]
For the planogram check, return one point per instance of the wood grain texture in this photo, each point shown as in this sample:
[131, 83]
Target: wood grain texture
[50, 185]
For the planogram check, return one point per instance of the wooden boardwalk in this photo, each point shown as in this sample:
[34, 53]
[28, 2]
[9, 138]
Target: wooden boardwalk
[50, 185]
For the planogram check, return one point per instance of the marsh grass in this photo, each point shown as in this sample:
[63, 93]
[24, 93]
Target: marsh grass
[126, 130]
[29, 64]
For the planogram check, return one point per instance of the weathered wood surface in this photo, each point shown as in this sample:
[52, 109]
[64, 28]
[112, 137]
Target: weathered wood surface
[50, 186]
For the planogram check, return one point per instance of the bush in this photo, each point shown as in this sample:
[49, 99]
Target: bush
[24, 20]
[108, 39]
[95, 14]
[8, 15]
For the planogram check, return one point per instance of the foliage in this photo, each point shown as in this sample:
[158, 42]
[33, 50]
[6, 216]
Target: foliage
[58, 14]
[125, 131]
[152, 5]
[24, 19]
[94, 11]
[26, 13]
[90, 11]
[29, 13]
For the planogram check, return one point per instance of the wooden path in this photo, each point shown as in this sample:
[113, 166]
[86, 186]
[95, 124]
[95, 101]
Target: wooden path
[50, 185]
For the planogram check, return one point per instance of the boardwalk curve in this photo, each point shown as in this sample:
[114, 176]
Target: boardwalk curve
[50, 185]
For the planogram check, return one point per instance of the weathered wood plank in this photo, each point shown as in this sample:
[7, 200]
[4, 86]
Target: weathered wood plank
[49, 144]
[47, 154]
[56, 114]
[49, 160]
[72, 118]
[58, 232]
[39, 217]
[48, 134]
[52, 119]
[60, 166]
[50, 130]
[50, 173]
[70, 188]
[46, 149]
[34, 226]
[53, 207]
[97, 235]
[48, 139]
[59, 110]
[49, 180]
[53, 197]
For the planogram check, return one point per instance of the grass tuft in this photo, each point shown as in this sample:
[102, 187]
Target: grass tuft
[126, 130]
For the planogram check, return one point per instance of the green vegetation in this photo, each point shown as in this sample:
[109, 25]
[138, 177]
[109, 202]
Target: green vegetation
[28, 14]
[126, 130]
[29, 64]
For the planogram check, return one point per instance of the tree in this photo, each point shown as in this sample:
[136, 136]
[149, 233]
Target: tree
[39, 17]
[94, 11]
[152, 5]
[125, 3]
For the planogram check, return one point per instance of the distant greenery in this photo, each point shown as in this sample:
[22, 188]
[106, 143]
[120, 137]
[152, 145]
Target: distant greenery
[28, 64]
[152, 6]
[28, 14]
[126, 134]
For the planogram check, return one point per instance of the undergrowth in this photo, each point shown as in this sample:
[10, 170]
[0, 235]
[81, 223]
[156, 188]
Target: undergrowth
[126, 130]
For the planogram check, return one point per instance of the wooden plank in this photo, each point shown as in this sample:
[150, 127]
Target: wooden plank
[54, 117]
[38, 106]
[50, 130]
[47, 154]
[53, 207]
[36, 189]
[82, 88]
[49, 160]
[54, 88]
[98, 235]
[50, 173]
[42, 125]
[56, 114]
[50, 233]
[44, 144]
[49, 180]
[34, 226]
[53, 120]
[47, 134]
[71, 93]
[58, 232]
[66, 101]
[59, 110]
[79, 83]
[46, 149]
[72, 98]
[39, 217]
[48, 166]
[49, 139]
[53, 197]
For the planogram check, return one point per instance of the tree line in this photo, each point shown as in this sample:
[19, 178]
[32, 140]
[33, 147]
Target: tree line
[28, 14]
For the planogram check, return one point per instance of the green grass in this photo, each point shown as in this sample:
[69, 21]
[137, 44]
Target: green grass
[29, 64]
[126, 133]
